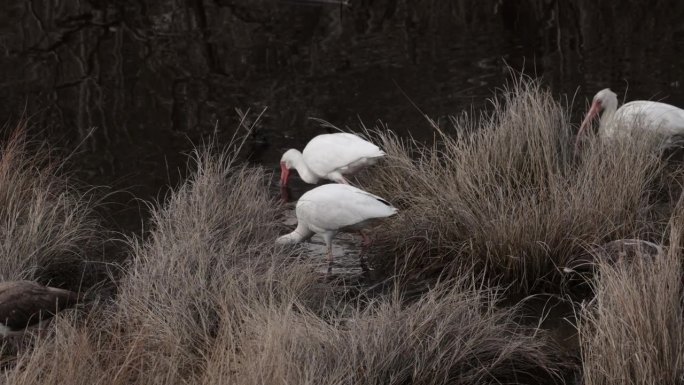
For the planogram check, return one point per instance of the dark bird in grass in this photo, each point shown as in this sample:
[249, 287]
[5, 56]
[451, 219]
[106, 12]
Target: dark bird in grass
[25, 305]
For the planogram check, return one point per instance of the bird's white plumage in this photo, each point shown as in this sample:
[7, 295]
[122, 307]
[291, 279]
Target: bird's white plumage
[330, 156]
[660, 117]
[335, 207]
[341, 152]
[331, 208]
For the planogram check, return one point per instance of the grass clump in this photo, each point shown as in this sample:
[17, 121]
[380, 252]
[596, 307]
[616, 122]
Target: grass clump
[452, 335]
[213, 234]
[632, 332]
[507, 195]
[216, 229]
[47, 226]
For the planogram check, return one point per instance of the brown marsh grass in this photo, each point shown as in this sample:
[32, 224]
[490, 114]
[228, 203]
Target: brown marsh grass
[632, 332]
[48, 228]
[505, 193]
[452, 335]
[208, 298]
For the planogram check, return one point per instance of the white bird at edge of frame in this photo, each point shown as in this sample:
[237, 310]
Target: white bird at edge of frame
[329, 156]
[334, 208]
[663, 118]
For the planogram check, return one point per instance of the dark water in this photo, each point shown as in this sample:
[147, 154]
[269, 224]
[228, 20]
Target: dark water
[154, 77]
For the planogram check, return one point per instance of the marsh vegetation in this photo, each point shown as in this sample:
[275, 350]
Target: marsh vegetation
[496, 211]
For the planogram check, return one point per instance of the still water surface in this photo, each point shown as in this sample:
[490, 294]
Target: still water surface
[154, 77]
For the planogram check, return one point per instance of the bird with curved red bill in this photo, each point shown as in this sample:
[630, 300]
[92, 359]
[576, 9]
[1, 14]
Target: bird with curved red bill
[333, 208]
[329, 156]
[26, 305]
[659, 117]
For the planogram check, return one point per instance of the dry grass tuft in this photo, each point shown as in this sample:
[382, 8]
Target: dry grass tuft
[215, 232]
[212, 240]
[506, 195]
[452, 335]
[47, 227]
[70, 354]
[633, 330]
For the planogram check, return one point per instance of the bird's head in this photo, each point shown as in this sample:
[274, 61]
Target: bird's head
[286, 164]
[603, 99]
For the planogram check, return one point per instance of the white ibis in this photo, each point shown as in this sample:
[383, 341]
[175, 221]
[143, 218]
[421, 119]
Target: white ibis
[660, 117]
[332, 208]
[27, 304]
[329, 156]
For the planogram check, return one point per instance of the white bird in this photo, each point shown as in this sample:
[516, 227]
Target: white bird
[663, 118]
[332, 208]
[329, 156]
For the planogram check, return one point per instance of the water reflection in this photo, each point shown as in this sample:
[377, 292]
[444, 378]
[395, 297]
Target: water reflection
[155, 77]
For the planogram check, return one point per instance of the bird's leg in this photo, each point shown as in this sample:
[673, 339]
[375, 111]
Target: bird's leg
[365, 244]
[328, 237]
[363, 264]
[330, 257]
[366, 241]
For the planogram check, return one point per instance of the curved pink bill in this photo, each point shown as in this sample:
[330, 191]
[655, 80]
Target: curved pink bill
[284, 194]
[284, 174]
[593, 112]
